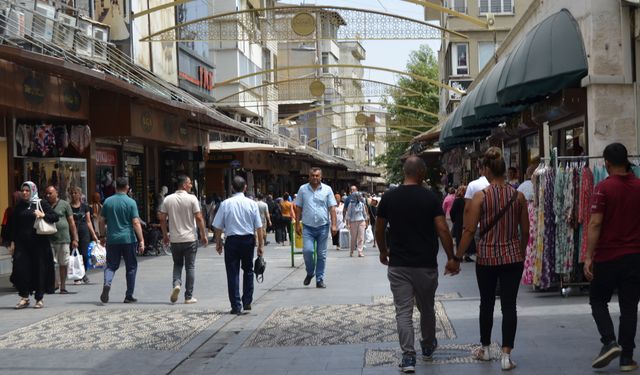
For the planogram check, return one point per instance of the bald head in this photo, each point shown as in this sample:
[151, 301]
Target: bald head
[238, 184]
[414, 168]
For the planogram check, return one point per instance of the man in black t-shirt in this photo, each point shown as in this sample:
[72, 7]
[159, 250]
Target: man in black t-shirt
[416, 221]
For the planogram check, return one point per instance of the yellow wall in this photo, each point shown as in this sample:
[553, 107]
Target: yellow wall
[4, 176]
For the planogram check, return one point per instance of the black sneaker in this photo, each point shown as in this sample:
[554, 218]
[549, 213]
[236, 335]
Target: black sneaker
[627, 364]
[408, 365]
[247, 308]
[427, 350]
[130, 299]
[607, 354]
[321, 285]
[307, 279]
[104, 297]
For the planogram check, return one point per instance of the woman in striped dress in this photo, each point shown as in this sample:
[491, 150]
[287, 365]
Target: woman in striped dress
[502, 214]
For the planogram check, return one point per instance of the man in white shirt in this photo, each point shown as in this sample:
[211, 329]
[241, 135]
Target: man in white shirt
[183, 211]
[474, 186]
[239, 218]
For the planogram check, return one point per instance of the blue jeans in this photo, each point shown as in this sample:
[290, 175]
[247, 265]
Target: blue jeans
[128, 252]
[239, 250]
[184, 255]
[317, 236]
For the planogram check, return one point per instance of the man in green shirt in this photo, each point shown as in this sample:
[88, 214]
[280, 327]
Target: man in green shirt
[65, 236]
[124, 236]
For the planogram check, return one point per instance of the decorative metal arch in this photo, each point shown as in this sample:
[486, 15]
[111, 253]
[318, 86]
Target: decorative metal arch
[357, 66]
[399, 139]
[441, 9]
[320, 108]
[275, 24]
[404, 122]
[298, 88]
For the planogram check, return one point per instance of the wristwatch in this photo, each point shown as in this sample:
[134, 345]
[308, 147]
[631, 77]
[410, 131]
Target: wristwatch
[456, 258]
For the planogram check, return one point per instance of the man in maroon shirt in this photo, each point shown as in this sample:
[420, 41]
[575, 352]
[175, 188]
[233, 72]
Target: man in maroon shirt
[613, 257]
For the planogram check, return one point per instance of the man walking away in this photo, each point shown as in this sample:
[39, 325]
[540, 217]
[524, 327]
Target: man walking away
[613, 257]
[416, 221]
[315, 203]
[264, 216]
[239, 218]
[66, 235]
[123, 227]
[183, 211]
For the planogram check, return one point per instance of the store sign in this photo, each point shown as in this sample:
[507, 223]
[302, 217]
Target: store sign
[146, 121]
[71, 98]
[204, 80]
[106, 157]
[235, 164]
[33, 89]
[133, 160]
[221, 157]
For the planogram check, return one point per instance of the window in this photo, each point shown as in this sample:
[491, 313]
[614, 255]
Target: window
[496, 6]
[459, 59]
[485, 53]
[325, 61]
[459, 6]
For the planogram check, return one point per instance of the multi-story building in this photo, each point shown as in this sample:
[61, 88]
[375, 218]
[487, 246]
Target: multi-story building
[462, 59]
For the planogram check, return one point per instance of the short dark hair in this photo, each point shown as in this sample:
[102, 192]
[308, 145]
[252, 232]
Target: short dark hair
[414, 167]
[122, 182]
[616, 154]
[259, 196]
[182, 179]
[238, 184]
[315, 169]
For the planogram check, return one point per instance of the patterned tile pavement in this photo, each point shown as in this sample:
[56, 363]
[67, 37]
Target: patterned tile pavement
[445, 354]
[112, 329]
[338, 324]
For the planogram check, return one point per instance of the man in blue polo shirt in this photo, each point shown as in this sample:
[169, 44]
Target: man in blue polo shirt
[315, 202]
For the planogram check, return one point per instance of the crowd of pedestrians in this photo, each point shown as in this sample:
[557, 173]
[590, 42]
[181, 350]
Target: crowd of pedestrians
[488, 219]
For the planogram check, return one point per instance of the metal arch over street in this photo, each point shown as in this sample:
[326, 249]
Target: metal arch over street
[316, 109]
[308, 95]
[320, 66]
[441, 9]
[404, 121]
[274, 24]
[395, 138]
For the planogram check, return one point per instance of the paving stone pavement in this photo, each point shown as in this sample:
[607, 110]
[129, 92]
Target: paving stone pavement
[292, 329]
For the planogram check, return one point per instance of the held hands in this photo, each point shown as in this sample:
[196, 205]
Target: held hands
[452, 268]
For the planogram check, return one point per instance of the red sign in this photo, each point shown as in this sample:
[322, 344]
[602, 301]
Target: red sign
[107, 157]
[204, 80]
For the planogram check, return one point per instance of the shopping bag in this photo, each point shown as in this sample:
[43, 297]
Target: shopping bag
[368, 234]
[98, 255]
[75, 270]
[299, 242]
[345, 239]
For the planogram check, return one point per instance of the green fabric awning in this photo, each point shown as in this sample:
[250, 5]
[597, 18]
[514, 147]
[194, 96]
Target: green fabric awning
[550, 58]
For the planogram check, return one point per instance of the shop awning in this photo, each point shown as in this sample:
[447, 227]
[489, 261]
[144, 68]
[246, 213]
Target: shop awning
[550, 58]
[243, 146]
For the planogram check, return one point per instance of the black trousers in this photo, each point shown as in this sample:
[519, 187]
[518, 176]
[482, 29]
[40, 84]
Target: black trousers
[622, 274]
[508, 275]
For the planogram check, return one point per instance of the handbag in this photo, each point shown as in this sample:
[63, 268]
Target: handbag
[499, 215]
[258, 268]
[98, 255]
[75, 271]
[41, 226]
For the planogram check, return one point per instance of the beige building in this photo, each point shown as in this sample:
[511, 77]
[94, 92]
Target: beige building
[462, 59]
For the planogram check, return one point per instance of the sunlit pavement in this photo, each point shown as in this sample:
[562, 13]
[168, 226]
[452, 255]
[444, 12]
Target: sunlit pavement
[348, 328]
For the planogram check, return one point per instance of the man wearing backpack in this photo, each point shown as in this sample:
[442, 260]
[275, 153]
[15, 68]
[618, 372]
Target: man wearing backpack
[357, 220]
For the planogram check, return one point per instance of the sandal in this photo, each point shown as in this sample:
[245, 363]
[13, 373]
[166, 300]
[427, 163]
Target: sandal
[39, 305]
[482, 354]
[24, 302]
[64, 291]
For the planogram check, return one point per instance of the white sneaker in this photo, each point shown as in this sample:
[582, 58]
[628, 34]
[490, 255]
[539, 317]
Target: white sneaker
[507, 363]
[190, 300]
[174, 293]
[483, 354]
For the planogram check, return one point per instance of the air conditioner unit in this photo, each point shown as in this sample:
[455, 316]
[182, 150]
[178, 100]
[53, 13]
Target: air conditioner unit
[43, 22]
[84, 44]
[63, 32]
[100, 43]
[303, 139]
[17, 23]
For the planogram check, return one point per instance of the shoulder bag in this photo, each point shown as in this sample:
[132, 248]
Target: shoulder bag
[41, 226]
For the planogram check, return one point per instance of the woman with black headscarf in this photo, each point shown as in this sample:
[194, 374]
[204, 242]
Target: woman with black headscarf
[32, 257]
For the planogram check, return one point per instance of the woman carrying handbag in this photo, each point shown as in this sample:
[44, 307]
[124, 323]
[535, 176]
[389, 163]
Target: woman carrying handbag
[33, 270]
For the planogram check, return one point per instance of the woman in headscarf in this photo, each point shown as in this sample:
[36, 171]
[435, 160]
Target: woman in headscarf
[32, 257]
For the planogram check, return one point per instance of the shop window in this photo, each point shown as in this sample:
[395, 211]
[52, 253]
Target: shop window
[325, 61]
[496, 6]
[531, 149]
[459, 58]
[569, 141]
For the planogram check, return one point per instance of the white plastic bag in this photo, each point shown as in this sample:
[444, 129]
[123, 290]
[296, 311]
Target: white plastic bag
[75, 271]
[368, 234]
[98, 255]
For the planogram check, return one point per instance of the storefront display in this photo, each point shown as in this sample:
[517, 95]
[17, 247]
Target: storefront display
[63, 173]
[105, 172]
[134, 169]
[48, 140]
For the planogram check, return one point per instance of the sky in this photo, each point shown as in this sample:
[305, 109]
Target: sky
[392, 54]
